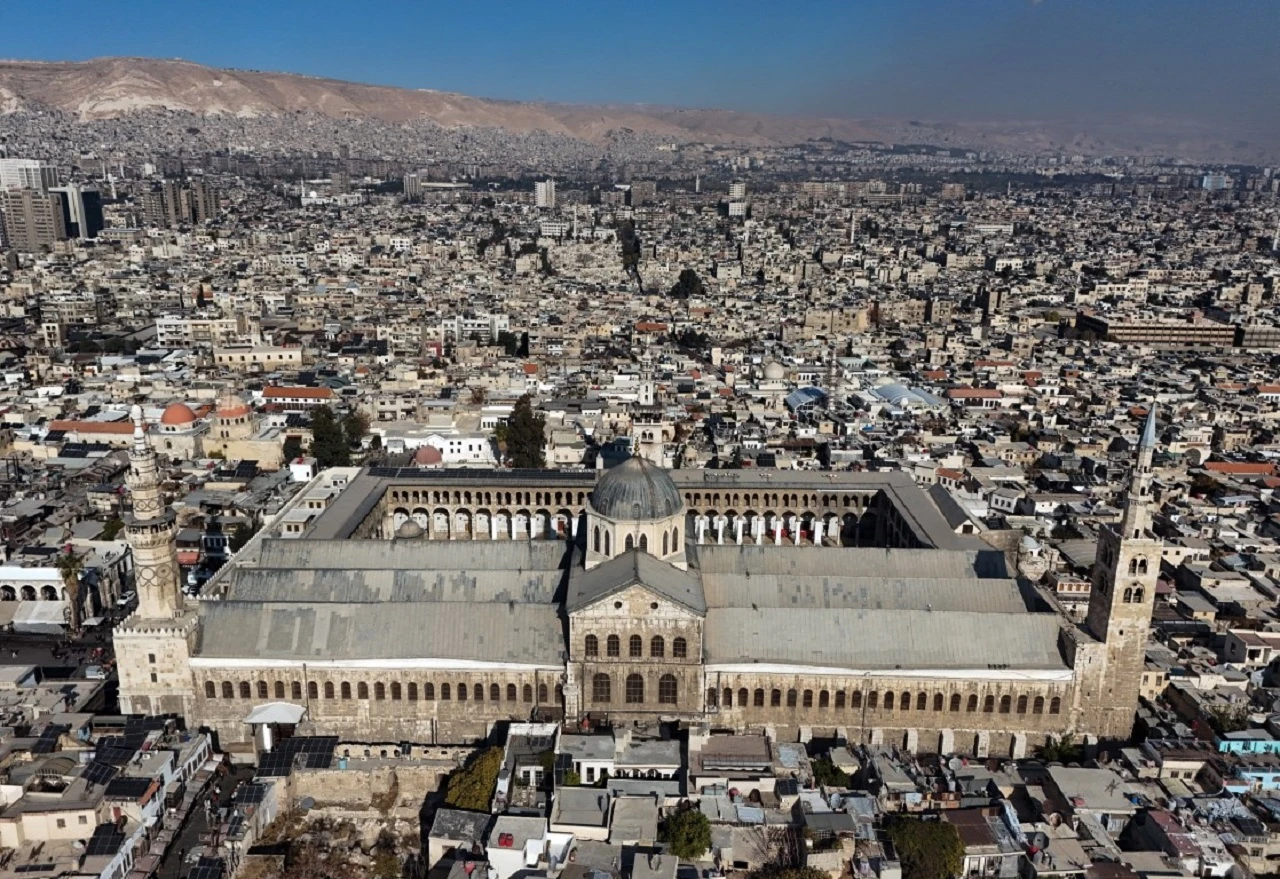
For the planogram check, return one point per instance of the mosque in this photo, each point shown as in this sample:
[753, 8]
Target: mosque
[417, 606]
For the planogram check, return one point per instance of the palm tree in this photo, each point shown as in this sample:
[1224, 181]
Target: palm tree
[1063, 750]
[69, 566]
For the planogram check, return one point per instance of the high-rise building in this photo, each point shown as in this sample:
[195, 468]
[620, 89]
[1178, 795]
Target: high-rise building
[544, 192]
[81, 210]
[204, 201]
[171, 204]
[643, 192]
[737, 190]
[27, 174]
[33, 219]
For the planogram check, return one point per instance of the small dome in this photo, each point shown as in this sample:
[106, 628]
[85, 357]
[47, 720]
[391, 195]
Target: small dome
[773, 370]
[636, 490]
[231, 406]
[409, 528]
[427, 456]
[178, 415]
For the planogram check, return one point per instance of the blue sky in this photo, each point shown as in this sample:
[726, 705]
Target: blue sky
[924, 59]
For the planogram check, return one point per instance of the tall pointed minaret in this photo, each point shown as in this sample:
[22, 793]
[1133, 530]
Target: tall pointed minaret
[151, 532]
[1125, 571]
[154, 645]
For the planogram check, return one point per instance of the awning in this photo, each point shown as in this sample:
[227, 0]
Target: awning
[276, 712]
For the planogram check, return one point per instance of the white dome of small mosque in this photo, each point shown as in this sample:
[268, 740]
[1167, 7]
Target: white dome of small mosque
[773, 371]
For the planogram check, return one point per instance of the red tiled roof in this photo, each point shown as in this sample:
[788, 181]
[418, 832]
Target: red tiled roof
[1241, 468]
[300, 393]
[974, 394]
[120, 428]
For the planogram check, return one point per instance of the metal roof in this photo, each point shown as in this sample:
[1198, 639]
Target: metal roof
[424, 585]
[437, 555]
[635, 568]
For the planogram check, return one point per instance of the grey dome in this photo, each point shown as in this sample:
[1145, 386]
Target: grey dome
[409, 528]
[636, 490]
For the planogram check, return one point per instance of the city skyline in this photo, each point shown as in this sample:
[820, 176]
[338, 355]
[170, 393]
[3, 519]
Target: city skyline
[1002, 61]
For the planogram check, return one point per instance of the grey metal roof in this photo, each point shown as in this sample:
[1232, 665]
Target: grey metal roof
[636, 490]
[869, 593]
[438, 555]
[635, 568]
[883, 639]
[518, 633]
[355, 586]
[855, 561]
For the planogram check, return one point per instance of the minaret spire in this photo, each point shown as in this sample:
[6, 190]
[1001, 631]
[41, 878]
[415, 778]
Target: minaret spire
[150, 530]
[1137, 506]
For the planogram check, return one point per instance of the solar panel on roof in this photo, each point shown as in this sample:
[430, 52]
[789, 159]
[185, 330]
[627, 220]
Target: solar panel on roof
[106, 840]
[206, 868]
[115, 756]
[99, 773]
[251, 794]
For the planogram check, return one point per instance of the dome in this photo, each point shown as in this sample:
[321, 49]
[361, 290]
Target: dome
[773, 371]
[409, 528]
[427, 456]
[231, 406]
[636, 490]
[178, 415]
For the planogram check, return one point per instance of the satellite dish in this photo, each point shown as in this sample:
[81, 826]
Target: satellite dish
[306, 804]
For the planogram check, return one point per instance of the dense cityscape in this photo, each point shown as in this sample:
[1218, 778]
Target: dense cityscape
[399, 499]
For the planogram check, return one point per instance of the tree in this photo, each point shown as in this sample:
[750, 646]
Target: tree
[926, 849]
[688, 284]
[471, 787]
[328, 444]
[243, 532]
[828, 774]
[686, 831]
[523, 349]
[354, 427]
[1061, 750]
[525, 439]
[111, 529]
[292, 448]
[69, 566]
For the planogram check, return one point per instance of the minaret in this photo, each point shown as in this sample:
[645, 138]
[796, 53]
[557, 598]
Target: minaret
[151, 532]
[1125, 571]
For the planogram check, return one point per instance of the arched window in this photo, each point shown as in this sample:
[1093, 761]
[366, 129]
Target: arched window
[295, 691]
[888, 700]
[775, 698]
[607, 549]
[1133, 566]
[346, 690]
[1138, 595]
[262, 689]
[613, 645]
[1055, 705]
[938, 702]
[526, 693]
[1006, 704]
[279, 689]
[855, 700]
[227, 692]
[711, 697]
[397, 692]
[380, 691]
[601, 689]
[636, 646]
[873, 700]
[328, 690]
[362, 690]
[635, 690]
[955, 701]
[679, 649]
[630, 543]
[444, 692]
[1128, 596]
[922, 701]
[791, 698]
[495, 693]
[1022, 704]
[839, 699]
[1037, 705]
[972, 705]
[429, 692]
[807, 699]
[668, 690]
[313, 690]
[244, 690]
[727, 701]
[666, 543]
[743, 696]
[824, 699]
[542, 694]
[657, 647]
[1142, 566]
[592, 645]
[411, 691]
[675, 539]
[758, 698]
[904, 702]
[477, 692]
[462, 692]
[989, 705]
[210, 691]
[511, 693]
[595, 539]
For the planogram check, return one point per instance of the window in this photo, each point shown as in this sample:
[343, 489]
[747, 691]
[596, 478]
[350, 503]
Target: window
[595, 539]
[613, 645]
[711, 697]
[922, 701]
[412, 692]
[668, 690]
[1037, 707]
[904, 702]
[478, 693]
[262, 689]
[666, 544]
[791, 698]
[295, 691]
[888, 700]
[855, 700]
[1006, 704]
[151, 658]
[444, 692]
[527, 693]
[495, 693]
[727, 702]
[592, 645]
[808, 699]
[678, 648]
[758, 699]
[989, 705]
[775, 698]
[824, 699]
[972, 705]
[279, 689]
[346, 690]
[937, 702]
[511, 693]
[462, 692]
[1022, 704]
[380, 692]
[635, 690]
[210, 691]
[154, 678]
[657, 647]
[84, 819]
[743, 696]
[244, 689]
[542, 694]
[362, 690]
[396, 692]
[636, 647]
[62, 822]
[631, 543]
[1055, 705]
[328, 689]
[601, 689]
[873, 700]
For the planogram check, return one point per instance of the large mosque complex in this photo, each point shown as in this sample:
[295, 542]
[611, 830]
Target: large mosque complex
[418, 606]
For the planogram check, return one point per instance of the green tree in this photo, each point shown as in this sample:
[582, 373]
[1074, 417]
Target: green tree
[243, 532]
[292, 448]
[828, 774]
[69, 567]
[926, 849]
[688, 284]
[524, 438]
[112, 528]
[686, 831]
[328, 444]
[355, 424]
[471, 787]
[523, 349]
[1060, 750]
